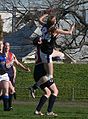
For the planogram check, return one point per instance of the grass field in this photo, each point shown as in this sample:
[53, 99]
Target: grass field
[65, 110]
[67, 77]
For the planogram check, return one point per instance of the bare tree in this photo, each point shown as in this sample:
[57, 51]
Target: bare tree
[1, 29]
[69, 11]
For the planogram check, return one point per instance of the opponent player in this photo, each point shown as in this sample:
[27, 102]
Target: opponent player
[47, 85]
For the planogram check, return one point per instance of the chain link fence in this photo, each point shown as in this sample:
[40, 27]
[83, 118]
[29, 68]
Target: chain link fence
[65, 94]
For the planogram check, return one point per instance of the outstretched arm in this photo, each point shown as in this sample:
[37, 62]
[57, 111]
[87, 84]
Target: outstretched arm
[20, 64]
[68, 32]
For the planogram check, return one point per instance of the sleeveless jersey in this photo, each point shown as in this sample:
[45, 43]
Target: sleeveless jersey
[2, 64]
[9, 64]
[48, 41]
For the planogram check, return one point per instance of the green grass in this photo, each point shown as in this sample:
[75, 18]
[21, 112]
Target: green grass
[26, 111]
[66, 76]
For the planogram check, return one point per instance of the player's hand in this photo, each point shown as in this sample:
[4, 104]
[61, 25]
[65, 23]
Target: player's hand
[28, 70]
[73, 25]
[40, 41]
[72, 28]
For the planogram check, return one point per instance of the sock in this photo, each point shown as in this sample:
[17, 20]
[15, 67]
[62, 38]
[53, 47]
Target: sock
[6, 102]
[1, 97]
[10, 100]
[41, 102]
[35, 86]
[51, 103]
[14, 95]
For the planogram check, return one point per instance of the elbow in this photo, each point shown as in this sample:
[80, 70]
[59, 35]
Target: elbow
[70, 33]
[41, 22]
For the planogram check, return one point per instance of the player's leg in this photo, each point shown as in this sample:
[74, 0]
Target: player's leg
[42, 101]
[52, 99]
[58, 55]
[0, 91]
[5, 88]
[48, 64]
[38, 74]
[11, 93]
[37, 85]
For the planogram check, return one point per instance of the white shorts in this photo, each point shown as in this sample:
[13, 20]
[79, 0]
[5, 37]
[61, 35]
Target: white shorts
[45, 57]
[4, 77]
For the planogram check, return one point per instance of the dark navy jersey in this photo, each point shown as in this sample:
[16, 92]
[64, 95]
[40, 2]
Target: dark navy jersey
[47, 47]
[39, 70]
[10, 71]
[45, 34]
[48, 40]
[2, 63]
[37, 56]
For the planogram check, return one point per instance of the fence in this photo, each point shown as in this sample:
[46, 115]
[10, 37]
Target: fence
[73, 94]
[65, 94]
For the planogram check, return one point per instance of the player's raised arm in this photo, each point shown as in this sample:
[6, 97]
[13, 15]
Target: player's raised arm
[65, 32]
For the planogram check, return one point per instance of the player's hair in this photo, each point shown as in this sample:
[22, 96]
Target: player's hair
[49, 21]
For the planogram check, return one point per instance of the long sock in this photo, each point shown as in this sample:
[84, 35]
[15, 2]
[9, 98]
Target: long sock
[1, 97]
[51, 103]
[35, 86]
[14, 95]
[6, 103]
[10, 100]
[41, 102]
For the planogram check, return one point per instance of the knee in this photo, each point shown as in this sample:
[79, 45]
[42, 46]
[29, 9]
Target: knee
[62, 56]
[6, 88]
[56, 92]
[48, 93]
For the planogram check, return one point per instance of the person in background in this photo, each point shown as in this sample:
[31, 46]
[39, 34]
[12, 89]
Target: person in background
[56, 55]
[11, 60]
[47, 86]
[47, 52]
[6, 87]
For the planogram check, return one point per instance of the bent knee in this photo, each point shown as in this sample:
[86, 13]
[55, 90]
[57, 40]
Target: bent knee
[56, 92]
[62, 56]
[48, 93]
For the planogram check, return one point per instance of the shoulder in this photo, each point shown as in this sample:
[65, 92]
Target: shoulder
[11, 54]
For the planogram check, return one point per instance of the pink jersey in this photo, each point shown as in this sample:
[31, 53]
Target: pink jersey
[9, 60]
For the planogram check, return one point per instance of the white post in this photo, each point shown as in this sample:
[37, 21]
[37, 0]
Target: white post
[73, 94]
[14, 19]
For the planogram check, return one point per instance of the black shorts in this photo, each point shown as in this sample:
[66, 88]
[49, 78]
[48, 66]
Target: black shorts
[39, 71]
[47, 84]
